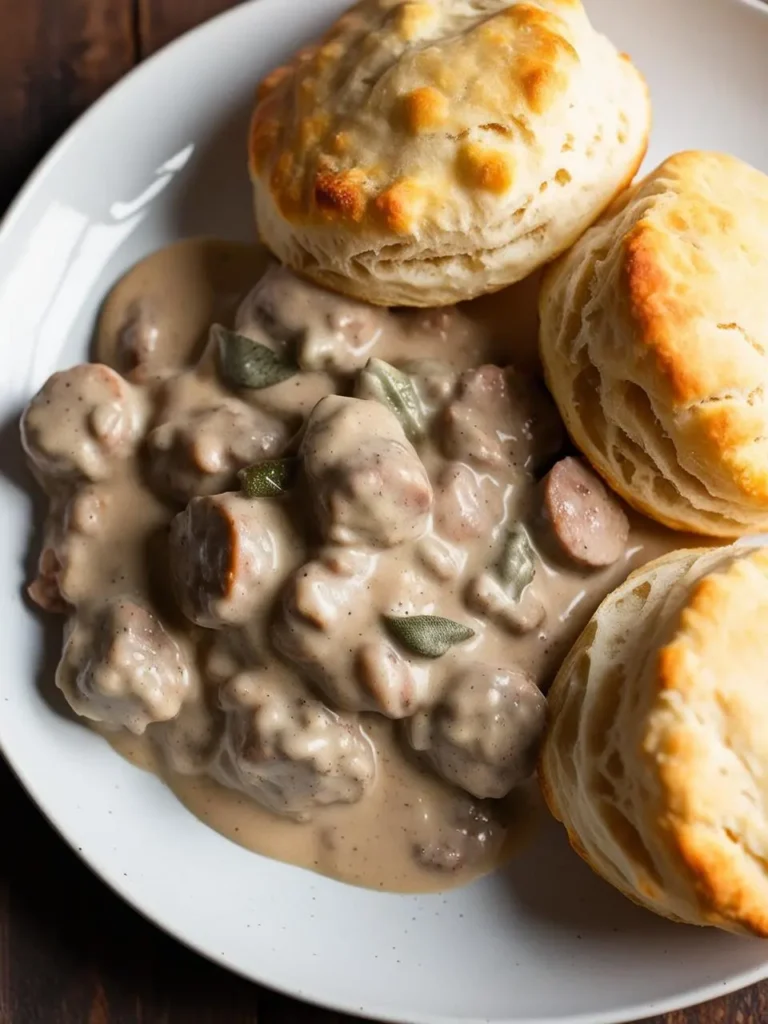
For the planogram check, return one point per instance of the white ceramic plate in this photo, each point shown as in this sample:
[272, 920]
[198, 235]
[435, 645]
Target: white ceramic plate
[162, 156]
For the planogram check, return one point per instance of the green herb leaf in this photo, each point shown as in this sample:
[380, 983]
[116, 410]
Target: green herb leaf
[386, 384]
[516, 567]
[244, 363]
[428, 635]
[268, 479]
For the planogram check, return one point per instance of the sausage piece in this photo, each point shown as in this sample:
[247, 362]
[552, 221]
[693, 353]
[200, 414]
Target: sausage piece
[488, 597]
[587, 521]
[476, 421]
[322, 329]
[82, 423]
[468, 505]
[365, 477]
[45, 589]
[292, 754]
[121, 667]
[322, 602]
[327, 625]
[136, 343]
[228, 555]
[464, 839]
[434, 381]
[484, 733]
[388, 680]
[63, 576]
[202, 452]
[501, 417]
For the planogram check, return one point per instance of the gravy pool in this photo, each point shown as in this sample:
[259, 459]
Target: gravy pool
[251, 649]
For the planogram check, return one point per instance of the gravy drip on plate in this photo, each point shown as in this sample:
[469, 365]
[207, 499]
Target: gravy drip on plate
[256, 652]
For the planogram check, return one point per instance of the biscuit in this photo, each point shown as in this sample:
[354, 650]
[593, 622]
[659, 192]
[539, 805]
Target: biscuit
[428, 151]
[656, 755]
[654, 339]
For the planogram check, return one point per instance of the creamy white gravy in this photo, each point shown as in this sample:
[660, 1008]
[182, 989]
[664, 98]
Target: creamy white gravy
[271, 697]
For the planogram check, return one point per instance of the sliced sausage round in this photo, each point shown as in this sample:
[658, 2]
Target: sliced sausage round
[228, 555]
[588, 522]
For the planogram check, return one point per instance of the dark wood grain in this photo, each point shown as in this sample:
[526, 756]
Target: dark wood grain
[160, 21]
[57, 57]
[70, 951]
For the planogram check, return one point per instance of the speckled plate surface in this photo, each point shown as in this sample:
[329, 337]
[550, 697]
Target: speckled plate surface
[162, 157]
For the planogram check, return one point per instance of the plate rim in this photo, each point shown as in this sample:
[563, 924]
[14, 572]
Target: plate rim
[704, 993]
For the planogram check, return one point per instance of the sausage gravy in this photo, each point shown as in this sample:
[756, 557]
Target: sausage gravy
[319, 561]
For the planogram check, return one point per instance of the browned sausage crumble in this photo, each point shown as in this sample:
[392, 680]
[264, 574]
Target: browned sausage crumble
[319, 571]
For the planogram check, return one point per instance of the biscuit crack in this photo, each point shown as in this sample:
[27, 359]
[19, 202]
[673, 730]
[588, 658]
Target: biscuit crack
[750, 340]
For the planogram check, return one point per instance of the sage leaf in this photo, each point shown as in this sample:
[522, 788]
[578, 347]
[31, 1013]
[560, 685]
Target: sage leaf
[516, 566]
[244, 363]
[268, 479]
[393, 388]
[428, 635]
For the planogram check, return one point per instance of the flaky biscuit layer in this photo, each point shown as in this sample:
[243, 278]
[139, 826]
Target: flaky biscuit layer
[656, 758]
[654, 339]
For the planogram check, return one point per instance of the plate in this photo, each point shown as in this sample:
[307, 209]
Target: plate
[542, 942]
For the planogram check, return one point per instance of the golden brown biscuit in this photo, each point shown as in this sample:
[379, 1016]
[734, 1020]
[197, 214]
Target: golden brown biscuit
[656, 756]
[654, 338]
[428, 151]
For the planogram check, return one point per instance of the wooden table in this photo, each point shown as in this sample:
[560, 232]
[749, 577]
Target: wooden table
[70, 951]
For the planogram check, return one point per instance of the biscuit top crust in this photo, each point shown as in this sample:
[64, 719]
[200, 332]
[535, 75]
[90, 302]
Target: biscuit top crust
[456, 89]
